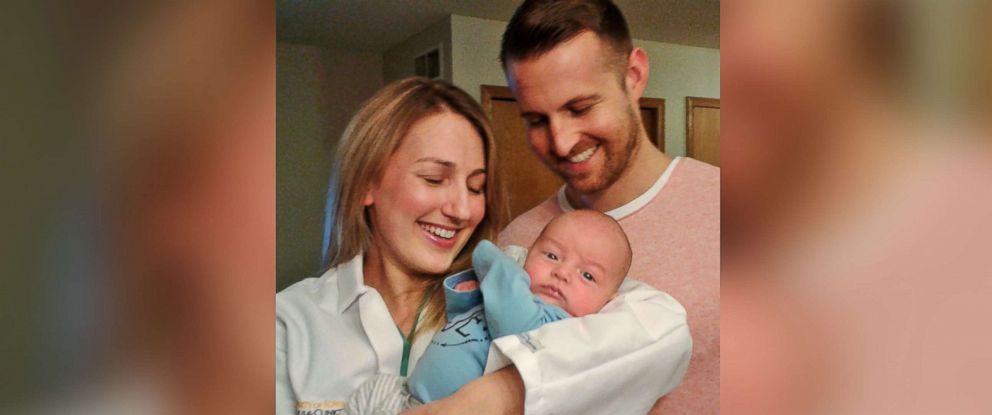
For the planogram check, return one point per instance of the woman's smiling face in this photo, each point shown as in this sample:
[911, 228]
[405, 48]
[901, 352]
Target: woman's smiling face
[431, 195]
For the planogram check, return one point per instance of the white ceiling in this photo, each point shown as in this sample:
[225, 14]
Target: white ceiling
[376, 25]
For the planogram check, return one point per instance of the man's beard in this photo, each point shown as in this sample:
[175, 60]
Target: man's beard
[617, 156]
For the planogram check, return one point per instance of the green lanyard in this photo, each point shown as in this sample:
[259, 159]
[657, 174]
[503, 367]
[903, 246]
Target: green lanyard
[408, 338]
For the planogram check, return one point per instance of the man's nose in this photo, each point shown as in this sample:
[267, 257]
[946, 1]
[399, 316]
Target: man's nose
[563, 136]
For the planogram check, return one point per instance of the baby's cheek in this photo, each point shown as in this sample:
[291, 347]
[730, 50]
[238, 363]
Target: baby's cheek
[533, 268]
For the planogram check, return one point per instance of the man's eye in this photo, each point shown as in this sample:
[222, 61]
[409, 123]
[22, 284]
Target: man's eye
[580, 111]
[551, 256]
[588, 276]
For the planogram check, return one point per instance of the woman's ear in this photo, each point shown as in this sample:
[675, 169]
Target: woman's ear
[368, 199]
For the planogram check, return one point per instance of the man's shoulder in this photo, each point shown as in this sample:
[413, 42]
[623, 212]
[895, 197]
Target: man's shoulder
[699, 173]
[523, 230]
[694, 185]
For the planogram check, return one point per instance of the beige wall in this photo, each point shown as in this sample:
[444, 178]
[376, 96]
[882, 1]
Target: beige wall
[398, 60]
[475, 53]
[317, 91]
[677, 71]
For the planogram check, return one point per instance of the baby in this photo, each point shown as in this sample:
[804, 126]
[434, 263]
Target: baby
[574, 268]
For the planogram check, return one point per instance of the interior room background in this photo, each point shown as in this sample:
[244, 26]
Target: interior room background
[333, 55]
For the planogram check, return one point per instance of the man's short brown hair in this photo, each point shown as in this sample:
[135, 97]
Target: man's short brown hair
[539, 25]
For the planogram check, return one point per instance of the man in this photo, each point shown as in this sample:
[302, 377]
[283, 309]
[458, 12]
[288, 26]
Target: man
[577, 79]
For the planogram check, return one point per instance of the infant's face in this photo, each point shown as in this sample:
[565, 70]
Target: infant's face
[576, 265]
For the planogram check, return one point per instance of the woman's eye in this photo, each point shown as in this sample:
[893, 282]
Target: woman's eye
[433, 180]
[551, 256]
[533, 122]
[588, 276]
[476, 191]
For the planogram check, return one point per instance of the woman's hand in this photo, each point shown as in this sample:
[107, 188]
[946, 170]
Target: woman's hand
[498, 393]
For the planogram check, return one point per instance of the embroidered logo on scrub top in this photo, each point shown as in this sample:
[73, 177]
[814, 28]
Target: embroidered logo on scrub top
[533, 344]
[466, 328]
[319, 407]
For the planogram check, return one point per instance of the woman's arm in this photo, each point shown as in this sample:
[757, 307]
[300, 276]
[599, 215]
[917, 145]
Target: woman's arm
[498, 393]
[618, 361]
[285, 399]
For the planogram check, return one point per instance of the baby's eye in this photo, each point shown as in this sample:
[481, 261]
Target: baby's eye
[551, 256]
[588, 276]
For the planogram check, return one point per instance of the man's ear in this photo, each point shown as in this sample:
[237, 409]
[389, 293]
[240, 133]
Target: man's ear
[636, 78]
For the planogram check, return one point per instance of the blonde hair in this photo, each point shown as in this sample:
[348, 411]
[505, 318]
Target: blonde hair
[371, 137]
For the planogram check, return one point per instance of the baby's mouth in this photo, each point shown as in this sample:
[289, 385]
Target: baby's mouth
[554, 292]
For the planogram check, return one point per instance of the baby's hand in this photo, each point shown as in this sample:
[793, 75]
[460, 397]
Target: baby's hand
[467, 285]
[487, 257]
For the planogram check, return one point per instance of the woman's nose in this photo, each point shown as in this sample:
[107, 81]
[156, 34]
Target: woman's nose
[457, 205]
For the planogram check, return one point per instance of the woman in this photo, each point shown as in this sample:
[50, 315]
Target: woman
[416, 189]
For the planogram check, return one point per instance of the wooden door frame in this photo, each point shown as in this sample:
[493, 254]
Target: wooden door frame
[692, 103]
[491, 92]
[658, 104]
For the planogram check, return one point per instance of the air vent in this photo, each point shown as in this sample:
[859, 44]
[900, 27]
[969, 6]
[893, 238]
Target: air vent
[428, 64]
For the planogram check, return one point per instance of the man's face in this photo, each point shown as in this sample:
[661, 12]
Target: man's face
[580, 119]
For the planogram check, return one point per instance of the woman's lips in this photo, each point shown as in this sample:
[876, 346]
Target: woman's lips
[440, 236]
